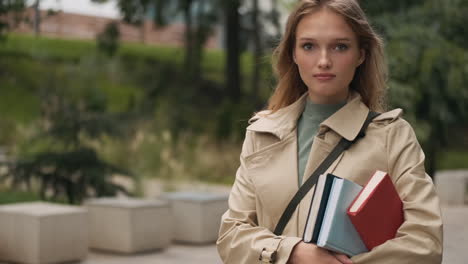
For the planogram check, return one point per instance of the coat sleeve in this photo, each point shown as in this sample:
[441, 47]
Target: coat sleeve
[419, 239]
[241, 239]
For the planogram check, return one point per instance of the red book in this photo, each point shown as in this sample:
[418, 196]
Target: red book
[377, 211]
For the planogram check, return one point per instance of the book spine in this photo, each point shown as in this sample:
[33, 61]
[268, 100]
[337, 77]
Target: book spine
[330, 211]
[322, 207]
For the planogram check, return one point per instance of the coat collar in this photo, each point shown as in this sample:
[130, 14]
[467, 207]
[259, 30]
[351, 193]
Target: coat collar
[280, 123]
[347, 121]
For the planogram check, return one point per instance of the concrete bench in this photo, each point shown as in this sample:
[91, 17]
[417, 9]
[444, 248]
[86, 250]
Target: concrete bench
[38, 233]
[451, 186]
[129, 225]
[197, 215]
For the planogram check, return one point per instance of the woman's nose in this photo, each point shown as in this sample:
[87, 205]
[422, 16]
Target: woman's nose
[324, 61]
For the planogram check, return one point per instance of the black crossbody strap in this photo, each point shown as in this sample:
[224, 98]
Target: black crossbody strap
[343, 145]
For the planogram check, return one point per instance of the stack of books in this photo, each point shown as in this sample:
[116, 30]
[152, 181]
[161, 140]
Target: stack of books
[347, 218]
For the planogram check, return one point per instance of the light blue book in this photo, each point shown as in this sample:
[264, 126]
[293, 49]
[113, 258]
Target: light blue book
[338, 233]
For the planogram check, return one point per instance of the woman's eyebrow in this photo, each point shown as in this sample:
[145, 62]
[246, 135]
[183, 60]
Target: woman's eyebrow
[343, 39]
[313, 39]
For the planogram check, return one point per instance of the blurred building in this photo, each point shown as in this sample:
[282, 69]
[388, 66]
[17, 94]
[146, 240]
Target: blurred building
[84, 19]
[78, 26]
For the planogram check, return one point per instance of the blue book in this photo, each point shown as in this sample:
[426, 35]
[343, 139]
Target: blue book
[337, 232]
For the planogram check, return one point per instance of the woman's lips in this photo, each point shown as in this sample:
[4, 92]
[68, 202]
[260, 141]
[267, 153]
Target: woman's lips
[324, 76]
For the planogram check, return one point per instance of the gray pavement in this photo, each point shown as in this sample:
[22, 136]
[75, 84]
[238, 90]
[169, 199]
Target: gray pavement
[175, 254]
[455, 235]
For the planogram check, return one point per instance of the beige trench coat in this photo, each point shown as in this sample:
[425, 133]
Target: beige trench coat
[267, 180]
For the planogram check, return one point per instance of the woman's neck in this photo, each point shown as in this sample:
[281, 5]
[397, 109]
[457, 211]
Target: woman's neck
[326, 100]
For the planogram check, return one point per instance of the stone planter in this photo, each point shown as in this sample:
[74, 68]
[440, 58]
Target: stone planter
[129, 225]
[197, 216]
[451, 186]
[38, 232]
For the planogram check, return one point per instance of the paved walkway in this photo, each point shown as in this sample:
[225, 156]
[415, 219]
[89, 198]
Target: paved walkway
[455, 247]
[455, 235]
[175, 254]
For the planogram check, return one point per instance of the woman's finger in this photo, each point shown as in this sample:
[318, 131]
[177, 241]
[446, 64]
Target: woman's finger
[343, 258]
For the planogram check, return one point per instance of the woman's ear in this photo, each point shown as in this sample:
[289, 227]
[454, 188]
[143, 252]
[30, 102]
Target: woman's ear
[362, 57]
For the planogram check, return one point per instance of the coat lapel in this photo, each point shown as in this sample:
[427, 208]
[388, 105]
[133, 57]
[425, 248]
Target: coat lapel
[280, 123]
[276, 162]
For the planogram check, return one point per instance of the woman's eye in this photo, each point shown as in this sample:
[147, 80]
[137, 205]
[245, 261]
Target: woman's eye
[307, 46]
[341, 47]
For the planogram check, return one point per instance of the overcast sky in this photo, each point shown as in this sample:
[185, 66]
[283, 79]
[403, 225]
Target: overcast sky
[85, 7]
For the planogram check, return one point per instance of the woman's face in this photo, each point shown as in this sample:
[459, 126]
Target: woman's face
[327, 54]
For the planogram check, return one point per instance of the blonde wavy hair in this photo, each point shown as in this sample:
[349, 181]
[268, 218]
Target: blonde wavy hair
[370, 77]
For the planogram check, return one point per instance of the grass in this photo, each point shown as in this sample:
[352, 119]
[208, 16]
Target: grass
[55, 49]
[453, 159]
[18, 104]
[11, 196]
[74, 49]
[44, 47]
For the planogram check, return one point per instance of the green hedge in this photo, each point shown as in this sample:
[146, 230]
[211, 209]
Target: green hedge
[10, 196]
[72, 50]
[454, 159]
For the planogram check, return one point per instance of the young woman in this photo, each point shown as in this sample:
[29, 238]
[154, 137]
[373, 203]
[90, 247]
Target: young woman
[331, 70]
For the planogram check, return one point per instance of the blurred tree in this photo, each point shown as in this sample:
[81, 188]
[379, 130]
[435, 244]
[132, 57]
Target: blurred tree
[108, 39]
[37, 18]
[161, 14]
[70, 167]
[378, 7]
[186, 7]
[233, 77]
[427, 58]
[199, 18]
[206, 18]
[453, 20]
[10, 14]
[262, 40]
[275, 18]
[264, 32]
[135, 13]
[257, 53]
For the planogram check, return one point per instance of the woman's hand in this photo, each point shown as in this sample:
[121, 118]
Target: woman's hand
[304, 253]
[342, 258]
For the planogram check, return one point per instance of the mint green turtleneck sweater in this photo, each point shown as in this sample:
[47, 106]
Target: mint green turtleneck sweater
[307, 127]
